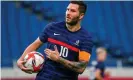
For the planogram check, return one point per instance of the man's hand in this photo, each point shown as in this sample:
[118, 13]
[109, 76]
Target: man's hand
[32, 47]
[78, 67]
[53, 55]
[20, 64]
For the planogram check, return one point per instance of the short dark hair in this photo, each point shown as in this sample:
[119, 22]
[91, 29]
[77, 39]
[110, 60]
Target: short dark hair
[82, 6]
[103, 48]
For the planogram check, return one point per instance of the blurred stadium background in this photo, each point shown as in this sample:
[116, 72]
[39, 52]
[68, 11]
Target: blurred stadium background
[110, 23]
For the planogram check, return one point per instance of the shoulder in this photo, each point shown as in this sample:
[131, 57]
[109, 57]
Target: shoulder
[59, 23]
[55, 24]
[85, 35]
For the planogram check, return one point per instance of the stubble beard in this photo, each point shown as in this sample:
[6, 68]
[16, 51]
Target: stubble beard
[73, 21]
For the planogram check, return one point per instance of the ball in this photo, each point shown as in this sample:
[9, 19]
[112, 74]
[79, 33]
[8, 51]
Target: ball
[34, 61]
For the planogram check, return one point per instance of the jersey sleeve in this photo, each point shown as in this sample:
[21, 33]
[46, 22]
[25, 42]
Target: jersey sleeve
[44, 34]
[86, 44]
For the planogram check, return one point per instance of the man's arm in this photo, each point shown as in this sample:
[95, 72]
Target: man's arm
[32, 47]
[75, 66]
[78, 67]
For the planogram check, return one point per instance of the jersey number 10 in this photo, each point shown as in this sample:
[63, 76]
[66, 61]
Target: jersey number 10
[64, 51]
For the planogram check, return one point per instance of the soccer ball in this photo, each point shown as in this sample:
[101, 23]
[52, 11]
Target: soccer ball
[34, 61]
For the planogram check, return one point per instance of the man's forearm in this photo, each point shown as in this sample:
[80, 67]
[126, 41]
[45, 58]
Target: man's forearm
[32, 47]
[75, 66]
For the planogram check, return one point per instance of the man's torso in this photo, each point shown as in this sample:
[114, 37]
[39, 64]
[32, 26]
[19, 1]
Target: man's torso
[68, 44]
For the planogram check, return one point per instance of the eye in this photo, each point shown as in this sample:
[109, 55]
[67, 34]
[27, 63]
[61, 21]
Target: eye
[72, 10]
[67, 9]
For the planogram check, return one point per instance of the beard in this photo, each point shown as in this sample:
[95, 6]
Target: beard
[73, 21]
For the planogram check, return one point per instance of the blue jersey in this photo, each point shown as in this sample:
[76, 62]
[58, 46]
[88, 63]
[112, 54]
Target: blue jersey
[101, 67]
[96, 65]
[69, 44]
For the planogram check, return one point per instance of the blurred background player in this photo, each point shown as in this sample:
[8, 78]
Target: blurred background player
[68, 46]
[98, 67]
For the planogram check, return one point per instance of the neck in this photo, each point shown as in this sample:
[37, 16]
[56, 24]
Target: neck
[73, 28]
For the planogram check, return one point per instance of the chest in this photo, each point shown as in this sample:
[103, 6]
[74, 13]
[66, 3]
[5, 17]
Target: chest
[66, 37]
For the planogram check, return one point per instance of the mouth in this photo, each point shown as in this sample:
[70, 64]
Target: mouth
[68, 17]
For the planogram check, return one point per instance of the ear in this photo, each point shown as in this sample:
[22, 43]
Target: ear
[81, 16]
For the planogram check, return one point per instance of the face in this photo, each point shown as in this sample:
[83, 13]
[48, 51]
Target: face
[72, 14]
[101, 54]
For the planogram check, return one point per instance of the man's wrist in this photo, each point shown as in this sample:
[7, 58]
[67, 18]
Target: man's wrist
[60, 59]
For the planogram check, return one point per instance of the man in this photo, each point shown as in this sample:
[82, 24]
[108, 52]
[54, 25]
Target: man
[68, 46]
[98, 69]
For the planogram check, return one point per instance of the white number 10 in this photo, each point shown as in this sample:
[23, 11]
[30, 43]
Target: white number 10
[64, 51]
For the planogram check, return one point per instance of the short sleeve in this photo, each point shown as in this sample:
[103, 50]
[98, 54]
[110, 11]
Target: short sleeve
[86, 44]
[44, 34]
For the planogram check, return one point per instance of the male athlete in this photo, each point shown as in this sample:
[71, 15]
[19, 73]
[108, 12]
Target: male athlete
[98, 67]
[68, 46]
